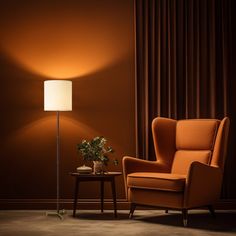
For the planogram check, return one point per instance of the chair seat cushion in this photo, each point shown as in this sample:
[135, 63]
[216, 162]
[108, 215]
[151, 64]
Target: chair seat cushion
[156, 181]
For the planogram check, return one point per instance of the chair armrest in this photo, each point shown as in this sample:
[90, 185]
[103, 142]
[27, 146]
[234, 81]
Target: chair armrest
[131, 165]
[203, 185]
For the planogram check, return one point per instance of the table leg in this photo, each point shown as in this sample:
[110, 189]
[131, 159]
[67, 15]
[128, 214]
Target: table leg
[113, 187]
[75, 196]
[102, 195]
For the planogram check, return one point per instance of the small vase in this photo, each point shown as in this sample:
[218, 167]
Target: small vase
[98, 167]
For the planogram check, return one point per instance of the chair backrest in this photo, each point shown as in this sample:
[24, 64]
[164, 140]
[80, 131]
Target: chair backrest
[203, 140]
[195, 140]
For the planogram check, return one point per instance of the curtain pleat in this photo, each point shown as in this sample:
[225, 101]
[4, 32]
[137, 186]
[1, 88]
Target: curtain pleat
[182, 63]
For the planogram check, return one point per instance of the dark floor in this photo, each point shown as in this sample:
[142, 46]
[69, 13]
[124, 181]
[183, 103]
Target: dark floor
[93, 223]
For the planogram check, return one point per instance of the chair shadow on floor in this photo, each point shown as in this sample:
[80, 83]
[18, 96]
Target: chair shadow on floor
[222, 222]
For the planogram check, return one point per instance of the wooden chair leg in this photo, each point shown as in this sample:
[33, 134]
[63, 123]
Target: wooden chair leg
[212, 210]
[185, 217]
[132, 209]
[166, 211]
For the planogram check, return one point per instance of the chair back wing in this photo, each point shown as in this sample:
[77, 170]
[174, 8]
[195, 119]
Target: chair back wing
[195, 140]
[220, 148]
[163, 130]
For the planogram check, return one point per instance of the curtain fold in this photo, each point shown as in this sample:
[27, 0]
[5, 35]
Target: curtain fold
[182, 63]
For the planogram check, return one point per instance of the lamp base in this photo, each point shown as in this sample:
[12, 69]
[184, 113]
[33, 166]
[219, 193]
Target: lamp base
[59, 213]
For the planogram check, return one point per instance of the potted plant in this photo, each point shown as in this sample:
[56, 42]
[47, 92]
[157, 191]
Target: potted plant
[96, 150]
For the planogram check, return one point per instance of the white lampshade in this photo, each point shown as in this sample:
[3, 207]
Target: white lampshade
[57, 95]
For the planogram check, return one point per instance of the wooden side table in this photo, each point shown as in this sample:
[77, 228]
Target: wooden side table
[107, 177]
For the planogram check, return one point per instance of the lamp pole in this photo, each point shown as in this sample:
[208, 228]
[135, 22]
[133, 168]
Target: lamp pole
[58, 163]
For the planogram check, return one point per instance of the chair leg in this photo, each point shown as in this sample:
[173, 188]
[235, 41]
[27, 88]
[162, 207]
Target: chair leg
[212, 210]
[185, 217]
[132, 209]
[166, 211]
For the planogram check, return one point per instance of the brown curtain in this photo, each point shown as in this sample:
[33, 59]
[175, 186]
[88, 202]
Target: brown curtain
[183, 61]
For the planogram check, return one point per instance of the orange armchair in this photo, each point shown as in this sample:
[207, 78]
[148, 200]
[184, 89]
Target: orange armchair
[188, 171]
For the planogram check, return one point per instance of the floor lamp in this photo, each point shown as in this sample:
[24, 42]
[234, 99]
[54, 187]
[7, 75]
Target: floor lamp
[58, 97]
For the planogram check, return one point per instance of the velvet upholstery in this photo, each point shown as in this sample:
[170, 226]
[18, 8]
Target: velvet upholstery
[184, 158]
[188, 170]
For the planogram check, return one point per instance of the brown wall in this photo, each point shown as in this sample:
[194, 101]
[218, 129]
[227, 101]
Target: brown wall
[88, 41]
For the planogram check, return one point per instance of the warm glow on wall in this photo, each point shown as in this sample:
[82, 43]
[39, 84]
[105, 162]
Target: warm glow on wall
[62, 41]
[44, 128]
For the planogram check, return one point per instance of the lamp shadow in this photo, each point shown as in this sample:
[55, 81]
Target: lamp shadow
[223, 222]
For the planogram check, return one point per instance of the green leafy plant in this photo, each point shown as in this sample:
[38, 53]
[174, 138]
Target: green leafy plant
[95, 150]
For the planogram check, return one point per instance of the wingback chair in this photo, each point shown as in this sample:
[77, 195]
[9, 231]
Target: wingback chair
[188, 171]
